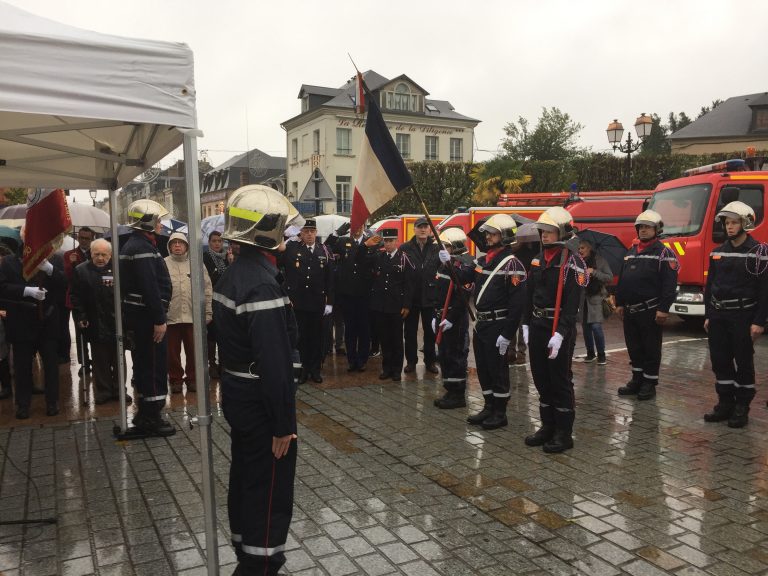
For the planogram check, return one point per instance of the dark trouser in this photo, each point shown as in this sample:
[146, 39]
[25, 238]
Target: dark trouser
[64, 339]
[210, 335]
[81, 340]
[357, 328]
[555, 388]
[643, 338]
[104, 359]
[389, 328]
[150, 360]
[492, 368]
[23, 355]
[594, 338]
[260, 500]
[452, 353]
[411, 335]
[310, 342]
[177, 335]
[375, 345]
[732, 353]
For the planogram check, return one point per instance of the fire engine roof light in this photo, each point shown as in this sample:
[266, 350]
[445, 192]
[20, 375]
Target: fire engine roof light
[725, 166]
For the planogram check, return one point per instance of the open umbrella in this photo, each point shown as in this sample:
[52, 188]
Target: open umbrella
[607, 245]
[211, 223]
[82, 215]
[10, 237]
[171, 225]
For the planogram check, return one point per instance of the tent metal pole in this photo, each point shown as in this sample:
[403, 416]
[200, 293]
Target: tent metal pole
[119, 342]
[202, 381]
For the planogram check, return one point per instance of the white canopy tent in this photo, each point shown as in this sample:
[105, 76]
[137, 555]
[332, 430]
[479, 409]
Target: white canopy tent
[80, 109]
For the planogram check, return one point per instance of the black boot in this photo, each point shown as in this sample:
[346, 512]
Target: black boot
[647, 389]
[560, 442]
[498, 417]
[721, 412]
[739, 417]
[150, 421]
[450, 400]
[541, 436]
[6, 390]
[631, 388]
[478, 418]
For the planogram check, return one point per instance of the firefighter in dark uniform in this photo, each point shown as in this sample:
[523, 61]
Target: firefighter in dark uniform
[146, 292]
[453, 349]
[352, 291]
[499, 296]
[256, 332]
[645, 291]
[390, 299]
[308, 275]
[421, 251]
[550, 350]
[736, 310]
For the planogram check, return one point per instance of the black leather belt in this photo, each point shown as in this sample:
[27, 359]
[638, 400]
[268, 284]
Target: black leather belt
[548, 313]
[733, 304]
[642, 306]
[491, 315]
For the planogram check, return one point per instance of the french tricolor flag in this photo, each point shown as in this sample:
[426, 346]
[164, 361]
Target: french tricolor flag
[381, 171]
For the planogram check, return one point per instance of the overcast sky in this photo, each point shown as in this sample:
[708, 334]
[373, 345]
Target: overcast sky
[493, 60]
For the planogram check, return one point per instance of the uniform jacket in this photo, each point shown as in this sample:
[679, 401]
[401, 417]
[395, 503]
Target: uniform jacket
[543, 280]
[143, 273]
[72, 259]
[426, 262]
[93, 299]
[308, 275]
[254, 322]
[27, 320]
[180, 309]
[464, 267]
[649, 274]
[391, 290]
[210, 264]
[353, 272]
[729, 278]
[506, 288]
[595, 290]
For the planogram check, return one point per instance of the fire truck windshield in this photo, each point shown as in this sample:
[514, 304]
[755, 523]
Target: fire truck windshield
[682, 209]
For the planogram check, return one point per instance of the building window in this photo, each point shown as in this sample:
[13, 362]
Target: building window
[344, 141]
[316, 142]
[403, 142]
[295, 150]
[430, 148]
[457, 150]
[402, 99]
[305, 104]
[761, 119]
[294, 194]
[343, 194]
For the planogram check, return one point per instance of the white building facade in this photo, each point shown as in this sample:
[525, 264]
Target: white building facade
[328, 133]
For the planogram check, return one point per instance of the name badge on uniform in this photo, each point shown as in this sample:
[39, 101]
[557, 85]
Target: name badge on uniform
[535, 262]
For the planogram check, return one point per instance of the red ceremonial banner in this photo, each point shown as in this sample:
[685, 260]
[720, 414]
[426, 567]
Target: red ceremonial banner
[47, 222]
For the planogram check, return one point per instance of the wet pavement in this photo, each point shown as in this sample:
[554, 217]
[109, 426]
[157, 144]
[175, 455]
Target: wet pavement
[387, 484]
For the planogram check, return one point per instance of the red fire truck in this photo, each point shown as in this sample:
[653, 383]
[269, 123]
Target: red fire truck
[688, 206]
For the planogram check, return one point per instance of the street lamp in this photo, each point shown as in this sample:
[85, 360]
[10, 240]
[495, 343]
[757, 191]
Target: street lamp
[92, 193]
[615, 131]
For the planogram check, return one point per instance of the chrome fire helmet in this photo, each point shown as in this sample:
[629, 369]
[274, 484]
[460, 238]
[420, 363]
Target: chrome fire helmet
[144, 214]
[557, 219]
[455, 238]
[738, 210]
[256, 215]
[650, 218]
[502, 224]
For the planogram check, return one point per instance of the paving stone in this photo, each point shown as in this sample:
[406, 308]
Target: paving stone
[375, 565]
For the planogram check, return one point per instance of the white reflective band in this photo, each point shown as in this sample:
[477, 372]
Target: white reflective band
[497, 395]
[738, 255]
[563, 409]
[737, 385]
[242, 374]
[542, 405]
[258, 551]
[507, 273]
[725, 382]
[295, 365]
[650, 377]
[250, 306]
[576, 268]
[153, 398]
[443, 276]
[236, 537]
[138, 256]
[637, 369]
[487, 392]
[454, 379]
[645, 256]
[221, 299]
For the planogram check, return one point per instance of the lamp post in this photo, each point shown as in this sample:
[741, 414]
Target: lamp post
[615, 131]
[92, 194]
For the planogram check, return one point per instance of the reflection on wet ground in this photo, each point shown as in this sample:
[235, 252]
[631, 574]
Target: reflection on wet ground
[387, 484]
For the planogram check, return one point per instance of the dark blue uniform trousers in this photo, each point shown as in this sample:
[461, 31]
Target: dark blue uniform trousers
[150, 360]
[357, 329]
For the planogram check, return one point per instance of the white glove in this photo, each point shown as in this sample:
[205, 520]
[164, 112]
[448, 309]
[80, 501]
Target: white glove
[34, 292]
[292, 231]
[328, 310]
[554, 345]
[434, 325]
[446, 325]
[47, 267]
[444, 256]
[525, 334]
[502, 344]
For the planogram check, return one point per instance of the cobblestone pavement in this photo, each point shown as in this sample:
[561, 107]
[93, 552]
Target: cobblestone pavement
[387, 484]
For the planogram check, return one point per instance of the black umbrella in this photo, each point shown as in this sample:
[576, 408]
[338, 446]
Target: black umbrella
[607, 245]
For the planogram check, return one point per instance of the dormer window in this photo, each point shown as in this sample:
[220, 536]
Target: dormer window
[402, 99]
[760, 119]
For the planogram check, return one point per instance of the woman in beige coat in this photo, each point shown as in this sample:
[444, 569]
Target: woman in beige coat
[180, 315]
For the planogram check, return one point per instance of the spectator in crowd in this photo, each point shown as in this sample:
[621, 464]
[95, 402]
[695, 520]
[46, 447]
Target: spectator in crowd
[390, 298]
[421, 251]
[32, 326]
[592, 310]
[216, 259]
[73, 258]
[93, 306]
[181, 315]
[6, 384]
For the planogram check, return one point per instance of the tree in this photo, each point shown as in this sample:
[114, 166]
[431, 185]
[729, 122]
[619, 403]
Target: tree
[501, 175]
[15, 196]
[707, 109]
[553, 138]
[678, 122]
